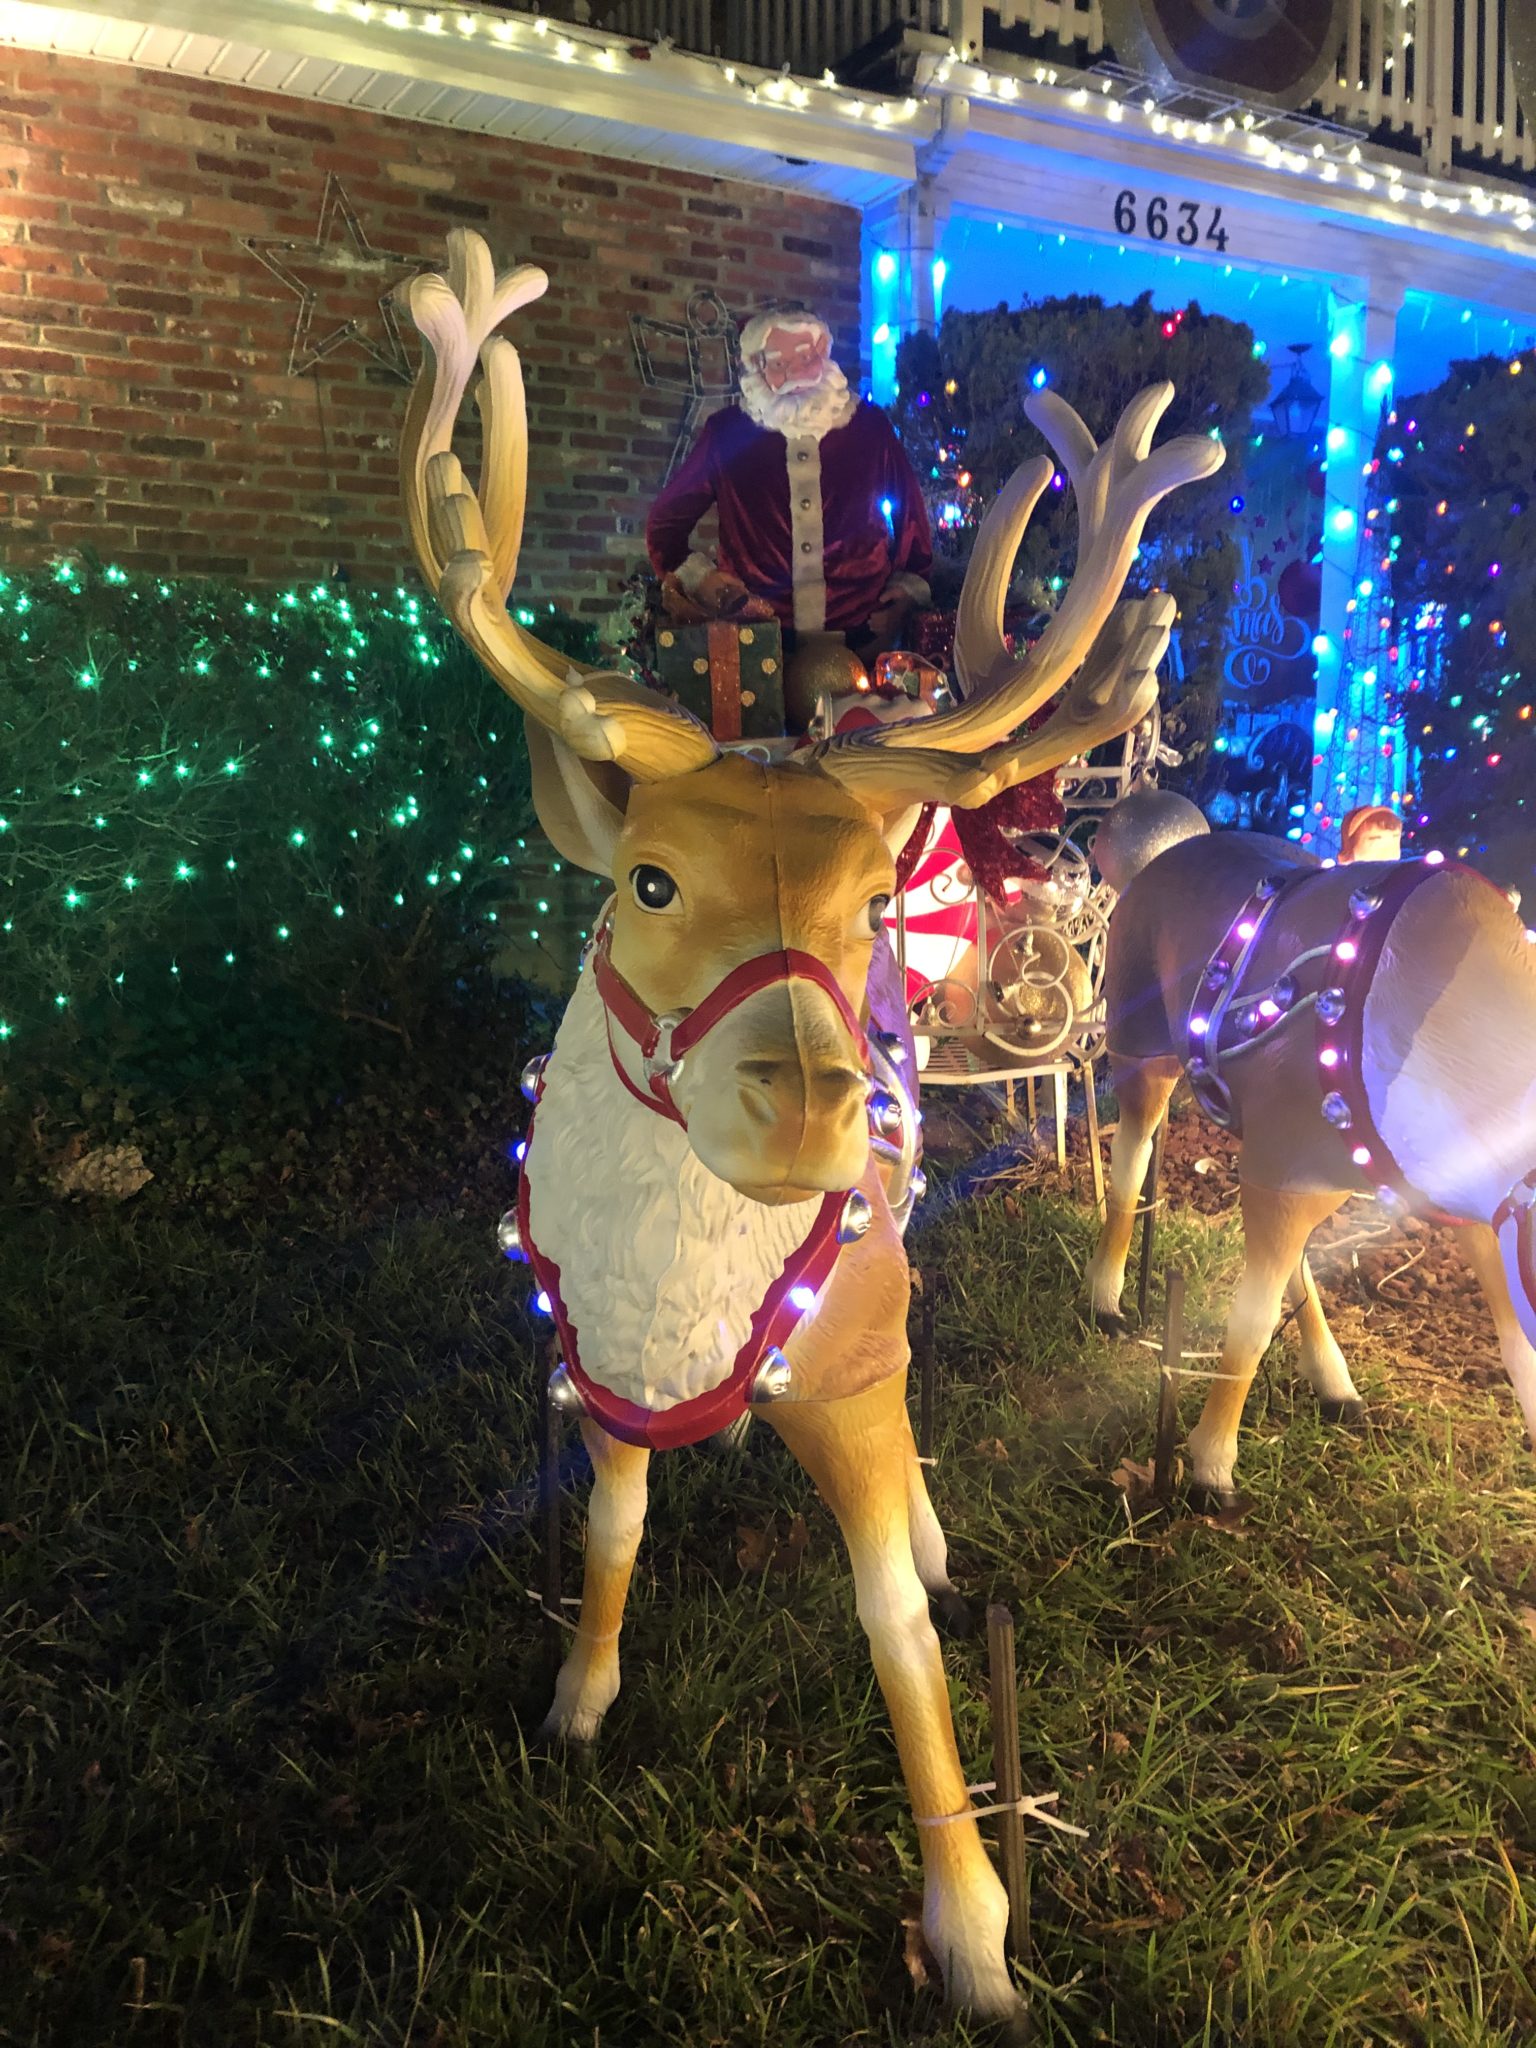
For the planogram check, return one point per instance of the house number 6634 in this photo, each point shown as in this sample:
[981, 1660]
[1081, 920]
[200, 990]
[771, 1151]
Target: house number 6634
[1170, 220]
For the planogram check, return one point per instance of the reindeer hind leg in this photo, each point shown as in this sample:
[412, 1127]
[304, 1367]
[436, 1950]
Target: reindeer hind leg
[930, 1552]
[1276, 1227]
[1322, 1362]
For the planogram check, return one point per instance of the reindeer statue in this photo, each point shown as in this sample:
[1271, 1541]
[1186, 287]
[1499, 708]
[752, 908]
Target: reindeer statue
[700, 1199]
[1364, 1028]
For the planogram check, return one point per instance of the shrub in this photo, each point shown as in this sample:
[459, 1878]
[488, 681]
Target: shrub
[226, 813]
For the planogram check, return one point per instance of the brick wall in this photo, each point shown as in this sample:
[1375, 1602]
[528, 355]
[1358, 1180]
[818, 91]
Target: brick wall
[146, 411]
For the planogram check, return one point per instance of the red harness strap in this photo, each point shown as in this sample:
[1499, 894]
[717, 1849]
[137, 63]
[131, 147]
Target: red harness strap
[661, 1042]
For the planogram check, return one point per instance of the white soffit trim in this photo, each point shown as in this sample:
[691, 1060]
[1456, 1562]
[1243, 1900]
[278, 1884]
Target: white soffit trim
[671, 109]
[1053, 156]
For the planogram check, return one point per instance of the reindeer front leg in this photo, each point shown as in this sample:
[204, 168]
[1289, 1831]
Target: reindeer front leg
[1142, 1089]
[589, 1678]
[859, 1453]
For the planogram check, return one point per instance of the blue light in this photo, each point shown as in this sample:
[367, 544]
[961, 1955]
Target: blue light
[1321, 644]
[885, 266]
[1380, 379]
[803, 1298]
[543, 1304]
[1338, 437]
[1236, 504]
[940, 272]
[1342, 345]
[1039, 379]
[1220, 743]
[1341, 521]
[882, 333]
[1294, 833]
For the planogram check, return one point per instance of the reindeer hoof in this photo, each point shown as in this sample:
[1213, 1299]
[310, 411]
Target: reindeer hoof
[952, 1613]
[1212, 1500]
[576, 1731]
[1347, 1414]
[1110, 1323]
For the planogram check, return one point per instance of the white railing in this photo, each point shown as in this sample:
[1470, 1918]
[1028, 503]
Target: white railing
[810, 36]
[1431, 69]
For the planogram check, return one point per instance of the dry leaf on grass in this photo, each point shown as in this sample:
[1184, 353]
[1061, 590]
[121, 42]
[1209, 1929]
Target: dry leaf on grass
[764, 1550]
[993, 1449]
[922, 1964]
[1526, 1616]
[1137, 1482]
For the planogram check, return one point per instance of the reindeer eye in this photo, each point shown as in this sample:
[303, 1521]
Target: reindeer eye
[653, 888]
[874, 914]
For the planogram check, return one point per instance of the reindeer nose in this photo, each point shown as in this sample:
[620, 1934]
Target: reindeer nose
[772, 1088]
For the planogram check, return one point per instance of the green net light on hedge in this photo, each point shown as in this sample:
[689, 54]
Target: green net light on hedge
[138, 682]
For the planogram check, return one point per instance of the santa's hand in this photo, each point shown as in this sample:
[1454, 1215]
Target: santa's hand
[727, 597]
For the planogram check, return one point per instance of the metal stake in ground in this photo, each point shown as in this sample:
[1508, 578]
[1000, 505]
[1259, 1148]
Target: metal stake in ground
[1149, 1189]
[1168, 1384]
[1009, 1774]
[1091, 1119]
[927, 1369]
[551, 1587]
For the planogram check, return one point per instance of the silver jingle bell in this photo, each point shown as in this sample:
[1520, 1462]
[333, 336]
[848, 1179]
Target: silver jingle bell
[533, 1075]
[1331, 1005]
[856, 1218]
[1364, 903]
[1284, 991]
[1218, 974]
[1268, 887]
[1336, 1111]
[509, 1236]
[893, 1046]
[917, 1186]
[773, 1378]
[564, 1393]
[885, 1113]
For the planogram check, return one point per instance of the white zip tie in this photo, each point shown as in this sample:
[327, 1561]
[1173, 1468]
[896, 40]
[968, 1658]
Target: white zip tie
[564, 1620]
[1031, 1805]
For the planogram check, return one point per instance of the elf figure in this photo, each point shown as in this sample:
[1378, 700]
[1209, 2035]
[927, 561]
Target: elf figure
[821, 519]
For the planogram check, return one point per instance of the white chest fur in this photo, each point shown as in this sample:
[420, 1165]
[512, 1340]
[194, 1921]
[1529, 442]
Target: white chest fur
[662, 1266]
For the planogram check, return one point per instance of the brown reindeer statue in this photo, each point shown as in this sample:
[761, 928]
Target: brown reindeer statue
[1366, 1028]
[703, 1199]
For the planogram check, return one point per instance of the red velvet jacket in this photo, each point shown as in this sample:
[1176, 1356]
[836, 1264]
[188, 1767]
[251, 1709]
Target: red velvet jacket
[768, 531]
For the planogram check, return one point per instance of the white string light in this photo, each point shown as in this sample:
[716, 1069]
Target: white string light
[1323, 160]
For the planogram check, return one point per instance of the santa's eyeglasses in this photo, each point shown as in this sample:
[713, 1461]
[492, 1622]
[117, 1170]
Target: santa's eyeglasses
[800, 352]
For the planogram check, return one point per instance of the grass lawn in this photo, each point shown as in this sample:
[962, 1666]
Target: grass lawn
[270, 1664]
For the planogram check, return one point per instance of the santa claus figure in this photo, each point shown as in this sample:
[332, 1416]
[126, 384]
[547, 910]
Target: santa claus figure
[821, 520]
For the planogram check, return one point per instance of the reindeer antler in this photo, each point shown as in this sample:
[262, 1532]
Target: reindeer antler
[1117, 486]
[468, 555]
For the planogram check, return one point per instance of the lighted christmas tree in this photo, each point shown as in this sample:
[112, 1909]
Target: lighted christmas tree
[1451, 489]
[961, 413]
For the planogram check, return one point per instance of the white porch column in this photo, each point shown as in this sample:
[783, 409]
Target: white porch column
[1362, 350]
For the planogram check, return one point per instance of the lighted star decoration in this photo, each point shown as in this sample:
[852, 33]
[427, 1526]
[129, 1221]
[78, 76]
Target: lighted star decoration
[339, 244]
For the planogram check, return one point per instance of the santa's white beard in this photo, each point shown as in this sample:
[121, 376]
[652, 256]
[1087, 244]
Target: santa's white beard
[815, 409]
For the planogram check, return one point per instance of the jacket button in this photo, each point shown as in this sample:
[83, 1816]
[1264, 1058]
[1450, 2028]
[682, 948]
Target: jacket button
[805, 547]
[805, 504]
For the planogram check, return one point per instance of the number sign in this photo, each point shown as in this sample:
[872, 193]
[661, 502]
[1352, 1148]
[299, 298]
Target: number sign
[1187, 222]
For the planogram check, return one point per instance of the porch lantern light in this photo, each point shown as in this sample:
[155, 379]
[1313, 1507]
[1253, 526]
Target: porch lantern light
[1296, 405]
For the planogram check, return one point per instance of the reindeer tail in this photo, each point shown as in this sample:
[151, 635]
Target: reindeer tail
[1139, 828]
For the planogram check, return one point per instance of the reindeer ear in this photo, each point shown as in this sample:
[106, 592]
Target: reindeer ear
[580, 804]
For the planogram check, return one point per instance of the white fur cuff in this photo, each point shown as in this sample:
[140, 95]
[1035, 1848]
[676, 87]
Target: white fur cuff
[691, 573]
[905, 584]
